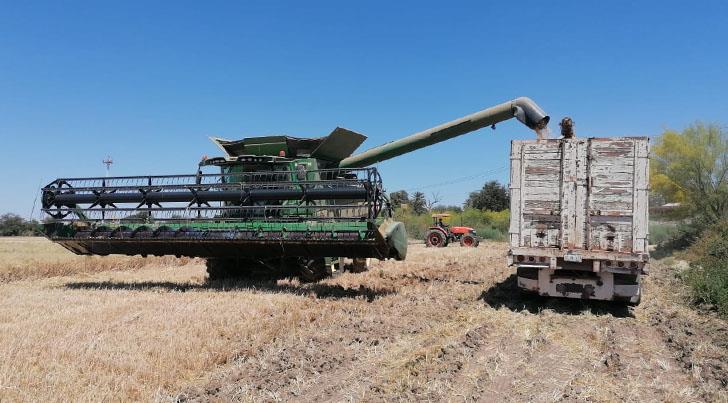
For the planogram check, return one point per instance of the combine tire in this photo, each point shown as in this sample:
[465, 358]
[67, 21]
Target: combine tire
[435, 239]
[249, 269]
[313, 270]
[360, 265]
[354, 265]
[221, 269]
[469, 241]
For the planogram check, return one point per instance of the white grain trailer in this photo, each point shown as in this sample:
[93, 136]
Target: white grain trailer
[579, 217]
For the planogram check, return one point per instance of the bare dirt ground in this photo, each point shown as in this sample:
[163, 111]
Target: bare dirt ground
[446, 324]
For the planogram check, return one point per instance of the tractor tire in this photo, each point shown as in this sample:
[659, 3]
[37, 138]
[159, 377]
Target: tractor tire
[469, 241]
[435, 239]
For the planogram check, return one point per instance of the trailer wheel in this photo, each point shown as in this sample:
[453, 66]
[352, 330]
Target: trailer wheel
[435, 238]
[636, 302]
[469, 241]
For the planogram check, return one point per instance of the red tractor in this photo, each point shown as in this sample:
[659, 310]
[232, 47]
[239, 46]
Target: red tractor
[440, 234]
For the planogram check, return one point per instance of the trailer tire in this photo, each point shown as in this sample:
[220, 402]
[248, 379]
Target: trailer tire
[635, 303]
[435, 239]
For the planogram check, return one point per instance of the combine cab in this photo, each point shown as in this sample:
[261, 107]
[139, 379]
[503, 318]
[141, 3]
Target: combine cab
[276, 206]
[440, 234]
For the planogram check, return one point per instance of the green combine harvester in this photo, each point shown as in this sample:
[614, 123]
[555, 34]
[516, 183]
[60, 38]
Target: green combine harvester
[279, 206]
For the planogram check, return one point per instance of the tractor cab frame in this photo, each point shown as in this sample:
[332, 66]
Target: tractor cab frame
[440, 234]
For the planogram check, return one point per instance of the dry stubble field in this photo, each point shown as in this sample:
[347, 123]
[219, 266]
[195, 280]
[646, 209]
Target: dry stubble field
[444, 325]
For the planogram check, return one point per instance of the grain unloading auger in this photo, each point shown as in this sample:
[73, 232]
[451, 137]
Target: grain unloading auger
[279, 206]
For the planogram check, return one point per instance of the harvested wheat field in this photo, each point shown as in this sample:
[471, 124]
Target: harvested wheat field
[444, 325]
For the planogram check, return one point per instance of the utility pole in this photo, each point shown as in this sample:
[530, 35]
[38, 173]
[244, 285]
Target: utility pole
[108, 161]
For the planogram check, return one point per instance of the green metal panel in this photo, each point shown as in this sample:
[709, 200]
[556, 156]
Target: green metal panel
[338, 145]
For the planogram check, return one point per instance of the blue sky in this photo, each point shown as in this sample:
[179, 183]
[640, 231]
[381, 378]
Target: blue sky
[147, 82]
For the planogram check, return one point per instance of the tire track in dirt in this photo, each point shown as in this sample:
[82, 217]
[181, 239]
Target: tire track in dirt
[633, 364]
[338, 369]
[451, 329]
[697, 339]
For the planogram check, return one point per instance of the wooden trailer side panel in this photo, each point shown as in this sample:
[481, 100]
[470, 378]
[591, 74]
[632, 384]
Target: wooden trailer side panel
[618, 194]
[535, 193]
[581, 193]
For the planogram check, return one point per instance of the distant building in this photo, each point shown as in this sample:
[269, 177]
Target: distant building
[665, 208]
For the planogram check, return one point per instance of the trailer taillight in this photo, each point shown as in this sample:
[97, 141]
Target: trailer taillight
[520, 258]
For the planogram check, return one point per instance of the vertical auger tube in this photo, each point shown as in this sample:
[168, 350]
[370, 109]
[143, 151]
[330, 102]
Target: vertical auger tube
[523, 109]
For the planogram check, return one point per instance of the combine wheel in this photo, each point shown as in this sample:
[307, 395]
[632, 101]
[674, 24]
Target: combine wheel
[469, 241]
[435, 238]
[313, 270]
[223, 268]
[231, 268]
[360, 265]
[354, 265]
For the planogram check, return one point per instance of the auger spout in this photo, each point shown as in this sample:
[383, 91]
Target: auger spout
[523, 109]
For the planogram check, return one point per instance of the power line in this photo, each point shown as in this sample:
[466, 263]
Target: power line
[460, 179]
[35, 200]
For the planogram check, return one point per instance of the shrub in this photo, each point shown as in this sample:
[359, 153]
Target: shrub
[15, 225]
[661, 232]
[707, 276]
[680, 237]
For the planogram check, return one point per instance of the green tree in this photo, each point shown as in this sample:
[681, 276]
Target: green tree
[11, 224]
[419, 203]
[445, 208]
[493, 196]
[399, 198]
[691, 168]
[14, 225]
